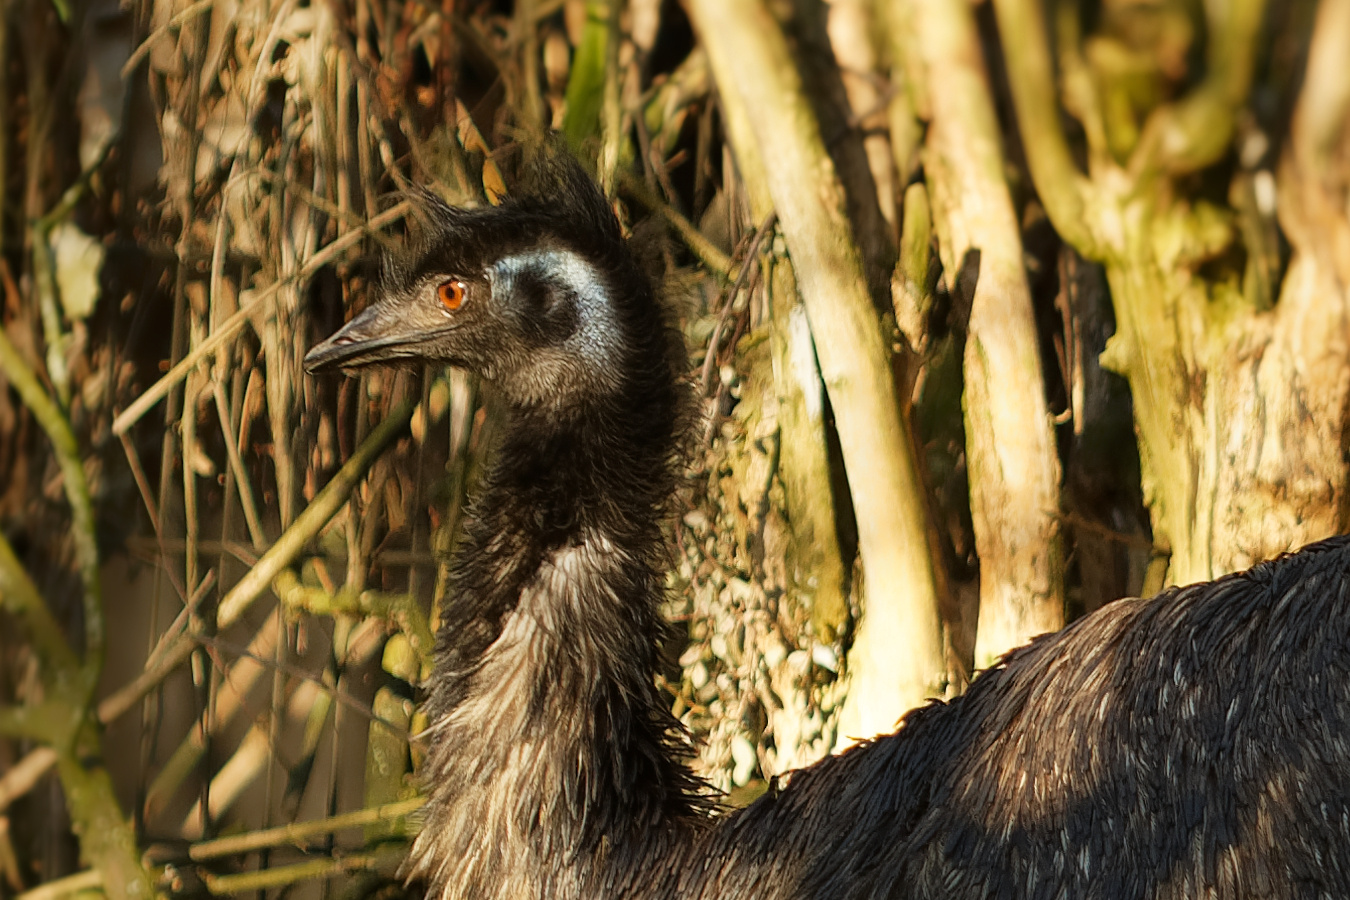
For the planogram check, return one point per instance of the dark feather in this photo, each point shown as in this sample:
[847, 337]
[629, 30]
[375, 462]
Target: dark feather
[1193, 744]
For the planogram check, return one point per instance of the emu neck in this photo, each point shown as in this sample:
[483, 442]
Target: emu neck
[553, 765]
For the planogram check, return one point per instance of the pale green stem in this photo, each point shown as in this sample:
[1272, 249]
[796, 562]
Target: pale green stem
[1063, 189]
[53, 422]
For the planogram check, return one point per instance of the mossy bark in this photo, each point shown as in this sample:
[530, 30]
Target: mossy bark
[107, 840]
[804, 461]
[1240, 408]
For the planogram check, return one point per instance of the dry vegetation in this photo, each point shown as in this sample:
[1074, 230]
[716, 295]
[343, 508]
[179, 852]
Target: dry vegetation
[219, 578]
[269, 544]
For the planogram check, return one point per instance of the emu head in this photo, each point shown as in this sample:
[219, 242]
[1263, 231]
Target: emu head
[538, 296]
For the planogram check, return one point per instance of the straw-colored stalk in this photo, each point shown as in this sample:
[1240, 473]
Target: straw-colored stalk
[896, 661]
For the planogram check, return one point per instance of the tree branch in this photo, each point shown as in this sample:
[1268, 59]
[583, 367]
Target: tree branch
[53, 422]
[1197, 130]
[900, 638]
[1063, 189]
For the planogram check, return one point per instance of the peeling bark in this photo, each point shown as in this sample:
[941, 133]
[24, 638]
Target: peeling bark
[1010, 447]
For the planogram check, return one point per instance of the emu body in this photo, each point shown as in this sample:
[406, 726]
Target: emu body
[1188, 745]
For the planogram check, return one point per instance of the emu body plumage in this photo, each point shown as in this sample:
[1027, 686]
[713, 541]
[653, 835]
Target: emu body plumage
[1189, 745]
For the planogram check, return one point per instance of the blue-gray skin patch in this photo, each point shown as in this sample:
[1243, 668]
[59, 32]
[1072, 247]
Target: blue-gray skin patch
[588, 358]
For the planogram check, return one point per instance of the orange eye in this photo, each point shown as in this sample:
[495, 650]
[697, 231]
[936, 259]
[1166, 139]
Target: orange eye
[451, 294]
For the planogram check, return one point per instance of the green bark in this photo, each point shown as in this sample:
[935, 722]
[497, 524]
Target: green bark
[1239, 409]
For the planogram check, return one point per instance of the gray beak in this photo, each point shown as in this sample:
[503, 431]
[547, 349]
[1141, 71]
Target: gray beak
[374, 336]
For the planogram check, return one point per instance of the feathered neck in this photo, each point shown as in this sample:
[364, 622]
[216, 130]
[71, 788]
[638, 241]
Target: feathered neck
[554, 767]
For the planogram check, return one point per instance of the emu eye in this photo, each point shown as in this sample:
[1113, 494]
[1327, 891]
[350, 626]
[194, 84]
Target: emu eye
[451, 294]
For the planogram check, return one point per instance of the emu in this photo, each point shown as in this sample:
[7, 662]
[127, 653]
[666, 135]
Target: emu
[1189, 745]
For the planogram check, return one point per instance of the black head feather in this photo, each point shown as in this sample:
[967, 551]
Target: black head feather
[554, 311]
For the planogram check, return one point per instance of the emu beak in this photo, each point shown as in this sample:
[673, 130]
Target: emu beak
[374, 336]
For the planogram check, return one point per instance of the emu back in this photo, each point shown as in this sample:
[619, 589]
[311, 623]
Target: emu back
[1189, 745]
[1193, 744]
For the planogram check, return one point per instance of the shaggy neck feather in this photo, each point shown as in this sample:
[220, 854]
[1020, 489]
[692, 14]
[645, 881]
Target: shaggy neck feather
[553, 764]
